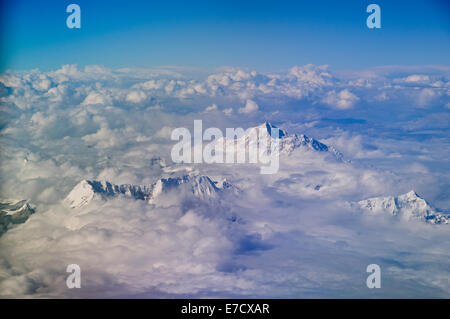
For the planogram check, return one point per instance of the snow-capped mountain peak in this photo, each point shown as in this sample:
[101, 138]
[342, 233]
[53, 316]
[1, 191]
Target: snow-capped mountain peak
[290, 142]
[86, 190]
[268, 127]
[199, 186]
[407, 206]
[411, 195]
[287, 142]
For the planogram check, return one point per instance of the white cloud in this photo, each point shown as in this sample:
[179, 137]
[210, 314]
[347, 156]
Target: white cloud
[342, 100]
[314, 75]
[68, 69]
[165, 132]
[426, 97]
[96, 98]
[58, 128]
[228, 111]
[416, 78]
[250, 107]
[212, 107]
[136, 97]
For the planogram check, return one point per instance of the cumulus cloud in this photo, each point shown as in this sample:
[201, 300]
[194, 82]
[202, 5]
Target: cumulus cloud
[416, 78]
[96, 98]
[212, 107]
[290, 234]
[136, 97]
[250, 107]
[342, 100]
[426, 97]
[165, 132]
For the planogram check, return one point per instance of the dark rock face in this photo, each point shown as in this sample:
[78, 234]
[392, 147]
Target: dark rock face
[13, 213]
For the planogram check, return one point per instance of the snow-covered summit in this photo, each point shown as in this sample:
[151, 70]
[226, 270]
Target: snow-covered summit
[199, 186]
[289, 142]
[407, 206]
[85, 191]
[267, 128]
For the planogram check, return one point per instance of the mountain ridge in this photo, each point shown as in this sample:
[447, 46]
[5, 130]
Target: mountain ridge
[408, 206]
[288, 143]
[199, 186]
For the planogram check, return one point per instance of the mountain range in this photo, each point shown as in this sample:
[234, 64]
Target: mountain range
[409, 206]
[198, 186]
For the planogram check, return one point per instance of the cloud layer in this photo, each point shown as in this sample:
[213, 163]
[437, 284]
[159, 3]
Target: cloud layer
[285, 235]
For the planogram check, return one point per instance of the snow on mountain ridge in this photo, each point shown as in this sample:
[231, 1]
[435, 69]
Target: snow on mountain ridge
[200, 186]
[287, 142]
[409, 206]
[85, 191]
[290, 142]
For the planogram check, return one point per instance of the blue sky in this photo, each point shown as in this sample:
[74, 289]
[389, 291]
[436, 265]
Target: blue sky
[267, 35]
